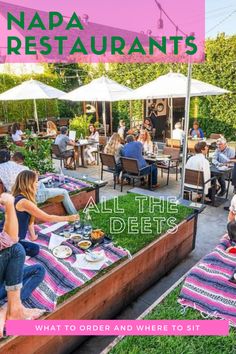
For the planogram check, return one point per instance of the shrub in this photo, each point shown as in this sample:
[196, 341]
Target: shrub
[80, 125]
[37, 154]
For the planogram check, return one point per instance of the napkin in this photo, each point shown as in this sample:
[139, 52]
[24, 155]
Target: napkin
[53, 227]
[55, 241]
[82, 263]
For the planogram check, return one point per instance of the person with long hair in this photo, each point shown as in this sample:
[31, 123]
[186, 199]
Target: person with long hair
[24, 191]
[17, 281]
[114, 147]
[88, 152]
[51, 128]
[145, 139]
[16, 134]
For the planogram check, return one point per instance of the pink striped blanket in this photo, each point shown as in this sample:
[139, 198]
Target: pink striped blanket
[61, 277]
[207, 287]
[71, 184]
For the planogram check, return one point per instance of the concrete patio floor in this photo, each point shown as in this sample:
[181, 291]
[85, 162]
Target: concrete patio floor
[211, 226]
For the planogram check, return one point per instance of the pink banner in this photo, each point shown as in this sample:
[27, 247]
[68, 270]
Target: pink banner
[102, 31]
[118, 327]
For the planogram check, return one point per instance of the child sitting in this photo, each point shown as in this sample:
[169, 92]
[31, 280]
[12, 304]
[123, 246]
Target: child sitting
[231, 227]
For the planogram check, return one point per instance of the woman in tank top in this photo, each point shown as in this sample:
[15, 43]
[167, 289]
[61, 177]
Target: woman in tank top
[24, 191]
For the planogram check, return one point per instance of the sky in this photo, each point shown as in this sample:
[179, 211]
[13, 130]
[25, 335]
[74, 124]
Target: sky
[217, 11]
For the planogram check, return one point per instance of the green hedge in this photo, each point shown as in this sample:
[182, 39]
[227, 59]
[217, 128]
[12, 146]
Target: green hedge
[169, 309]
[216, 114]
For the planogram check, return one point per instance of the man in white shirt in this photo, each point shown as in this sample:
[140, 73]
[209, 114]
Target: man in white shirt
[9, 170]
[221, 157]
[199, 162]
[178, 133]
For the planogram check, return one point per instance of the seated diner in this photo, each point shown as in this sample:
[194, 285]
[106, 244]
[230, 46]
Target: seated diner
[24, 191]
[196, 132]
[63, 141]
[17, 134]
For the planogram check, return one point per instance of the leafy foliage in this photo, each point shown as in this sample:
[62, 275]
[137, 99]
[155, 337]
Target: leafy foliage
[37, 154]
[80, 125]
[216, 114]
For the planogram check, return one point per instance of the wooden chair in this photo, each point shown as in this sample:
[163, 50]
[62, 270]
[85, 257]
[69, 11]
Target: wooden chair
[174, 143]
[215, 136]
[108, 161]
[194, 182]
[131, 170]
[56, 154]
[173, 162]
[191, 146]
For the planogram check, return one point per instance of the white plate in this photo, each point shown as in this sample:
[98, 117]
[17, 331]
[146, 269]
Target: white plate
[62, 251]
[94, 256]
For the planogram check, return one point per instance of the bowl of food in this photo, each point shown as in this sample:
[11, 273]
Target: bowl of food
[76, 238]
[97, 236]
[84, 244]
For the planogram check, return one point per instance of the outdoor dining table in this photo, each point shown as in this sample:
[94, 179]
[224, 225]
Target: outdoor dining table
[216, 172]
[79, 151]
[157, 158]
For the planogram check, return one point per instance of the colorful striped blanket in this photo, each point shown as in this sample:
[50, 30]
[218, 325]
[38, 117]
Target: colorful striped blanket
[207, 287]
[61, 277]
[71, 184]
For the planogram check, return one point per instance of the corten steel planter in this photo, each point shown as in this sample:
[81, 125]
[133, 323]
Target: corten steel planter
[79, 200]
[106, 296]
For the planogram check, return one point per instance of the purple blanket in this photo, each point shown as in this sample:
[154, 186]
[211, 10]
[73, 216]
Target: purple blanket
[207, 287]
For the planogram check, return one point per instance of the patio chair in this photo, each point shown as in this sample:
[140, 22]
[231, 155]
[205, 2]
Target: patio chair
[174, 143]
[173, 162]
[194, 183]
[108, 161]
[215, 136]
[130, 169]
[191, 146]
[56, 154]
[102, 143]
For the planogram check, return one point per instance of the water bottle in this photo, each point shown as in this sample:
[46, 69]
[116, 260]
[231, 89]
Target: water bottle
[87, 223]
[32, 131]
[61, 176]
[81, 137]
[155, 148]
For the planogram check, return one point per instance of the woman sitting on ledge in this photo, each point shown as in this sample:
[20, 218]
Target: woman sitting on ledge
[17, 281]
[24, 191]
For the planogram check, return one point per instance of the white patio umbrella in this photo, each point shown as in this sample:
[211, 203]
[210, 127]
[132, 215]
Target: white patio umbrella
[99, 90]
[175, 85]
[31, 90]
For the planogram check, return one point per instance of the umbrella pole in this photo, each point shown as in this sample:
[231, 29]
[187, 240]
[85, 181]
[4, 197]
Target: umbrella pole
[36, 115]
[170, 104]
[111, 119]
[104, 118]
[130, 114]
[186, 127]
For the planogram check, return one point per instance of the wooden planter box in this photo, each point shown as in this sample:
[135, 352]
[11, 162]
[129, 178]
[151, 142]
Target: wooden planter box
[106, 296]
[79, 200]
